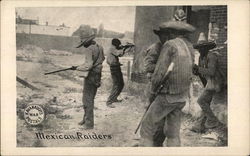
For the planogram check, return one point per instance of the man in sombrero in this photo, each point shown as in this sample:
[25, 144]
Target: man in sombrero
[94, 67]
[162, 119]
[209, 70]
[153, 51]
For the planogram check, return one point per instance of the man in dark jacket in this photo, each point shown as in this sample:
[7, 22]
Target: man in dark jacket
[114, 53]
[93, 79]
[209, 70]
[163, 116]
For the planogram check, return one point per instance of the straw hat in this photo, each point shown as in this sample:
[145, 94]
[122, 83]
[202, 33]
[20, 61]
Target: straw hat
[177, 23]
[86, 34]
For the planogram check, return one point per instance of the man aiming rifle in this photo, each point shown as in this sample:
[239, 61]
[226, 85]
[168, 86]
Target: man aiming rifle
[93, 79]
[116, 50]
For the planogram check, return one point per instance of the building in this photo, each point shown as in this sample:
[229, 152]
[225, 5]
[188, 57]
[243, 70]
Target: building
[212, 20]
[31, 26]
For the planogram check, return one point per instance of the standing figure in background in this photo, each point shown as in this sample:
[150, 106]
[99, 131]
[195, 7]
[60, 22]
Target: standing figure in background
[93, 79]
[211, 73]
[163, 118]
[115, 51]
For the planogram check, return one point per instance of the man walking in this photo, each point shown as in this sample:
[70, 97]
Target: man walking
[163, 116]
[93, 79]
[114, 53]
[209, 70]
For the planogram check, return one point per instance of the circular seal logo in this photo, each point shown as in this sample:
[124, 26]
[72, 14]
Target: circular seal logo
[34, 114]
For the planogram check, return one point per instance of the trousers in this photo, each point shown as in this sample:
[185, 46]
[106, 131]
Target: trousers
[89, 93]
[204, 101]
[118, 83]
[162, 120]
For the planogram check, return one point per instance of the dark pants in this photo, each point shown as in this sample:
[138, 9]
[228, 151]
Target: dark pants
[163, 120]
[89, 92]
[118, 83]
[204, 101]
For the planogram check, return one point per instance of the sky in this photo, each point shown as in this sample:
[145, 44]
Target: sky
[118, 18]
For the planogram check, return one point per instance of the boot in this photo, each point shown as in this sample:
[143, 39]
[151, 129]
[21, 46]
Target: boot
[212, 123]
[173, 142]
[110, 105]
[199, 126]
[82, 122]
[116, 100]
[85, 127]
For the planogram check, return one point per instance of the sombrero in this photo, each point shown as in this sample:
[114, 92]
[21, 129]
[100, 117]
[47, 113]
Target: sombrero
[86, 34]
[203, 43]
[177, 23]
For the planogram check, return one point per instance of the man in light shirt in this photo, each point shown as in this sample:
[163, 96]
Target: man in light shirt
[114, 53]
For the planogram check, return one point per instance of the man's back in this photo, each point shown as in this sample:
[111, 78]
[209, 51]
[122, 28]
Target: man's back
[180, 52]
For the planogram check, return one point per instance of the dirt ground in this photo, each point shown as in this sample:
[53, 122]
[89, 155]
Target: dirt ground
[60, 95]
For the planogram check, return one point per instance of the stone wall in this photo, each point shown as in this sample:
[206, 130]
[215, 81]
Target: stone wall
[64, 43]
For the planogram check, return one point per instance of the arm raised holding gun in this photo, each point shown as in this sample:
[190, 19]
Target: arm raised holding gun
[127, 46]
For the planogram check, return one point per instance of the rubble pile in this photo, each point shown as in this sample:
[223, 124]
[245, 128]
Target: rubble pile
[58, 52]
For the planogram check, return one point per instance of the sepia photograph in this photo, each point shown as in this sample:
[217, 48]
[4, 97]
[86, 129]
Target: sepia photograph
[125, 77]
[122, 76]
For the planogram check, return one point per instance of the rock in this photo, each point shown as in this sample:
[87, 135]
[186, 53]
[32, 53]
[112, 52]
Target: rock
[212, 135]
[63, 116]
[51, 122]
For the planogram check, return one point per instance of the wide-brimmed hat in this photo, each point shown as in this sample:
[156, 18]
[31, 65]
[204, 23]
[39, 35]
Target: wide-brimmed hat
[177, 23]
[86, 34]
[203, 43]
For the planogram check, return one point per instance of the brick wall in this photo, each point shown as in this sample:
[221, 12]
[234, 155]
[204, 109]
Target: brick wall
[218, 19]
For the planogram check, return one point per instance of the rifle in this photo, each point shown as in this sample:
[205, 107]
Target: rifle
[71, 68]
[159, 88]
[127, 45]
[203, 80]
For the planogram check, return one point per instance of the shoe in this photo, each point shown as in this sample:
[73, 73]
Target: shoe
[110, 106]
[198, 128]
[81, 122]
[85, 127]
[116, 100]
[212, 123]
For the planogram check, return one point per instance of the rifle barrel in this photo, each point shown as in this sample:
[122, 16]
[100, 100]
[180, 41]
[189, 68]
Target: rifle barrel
[57, 71]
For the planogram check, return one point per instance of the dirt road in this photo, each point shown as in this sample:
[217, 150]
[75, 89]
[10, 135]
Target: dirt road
[61, 95]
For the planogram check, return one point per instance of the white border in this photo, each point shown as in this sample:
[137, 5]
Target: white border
[238, 65]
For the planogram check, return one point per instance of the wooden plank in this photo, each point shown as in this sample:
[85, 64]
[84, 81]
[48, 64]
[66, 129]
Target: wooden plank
[26, 84]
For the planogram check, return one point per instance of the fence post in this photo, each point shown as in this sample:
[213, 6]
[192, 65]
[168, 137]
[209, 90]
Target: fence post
[128, 71]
